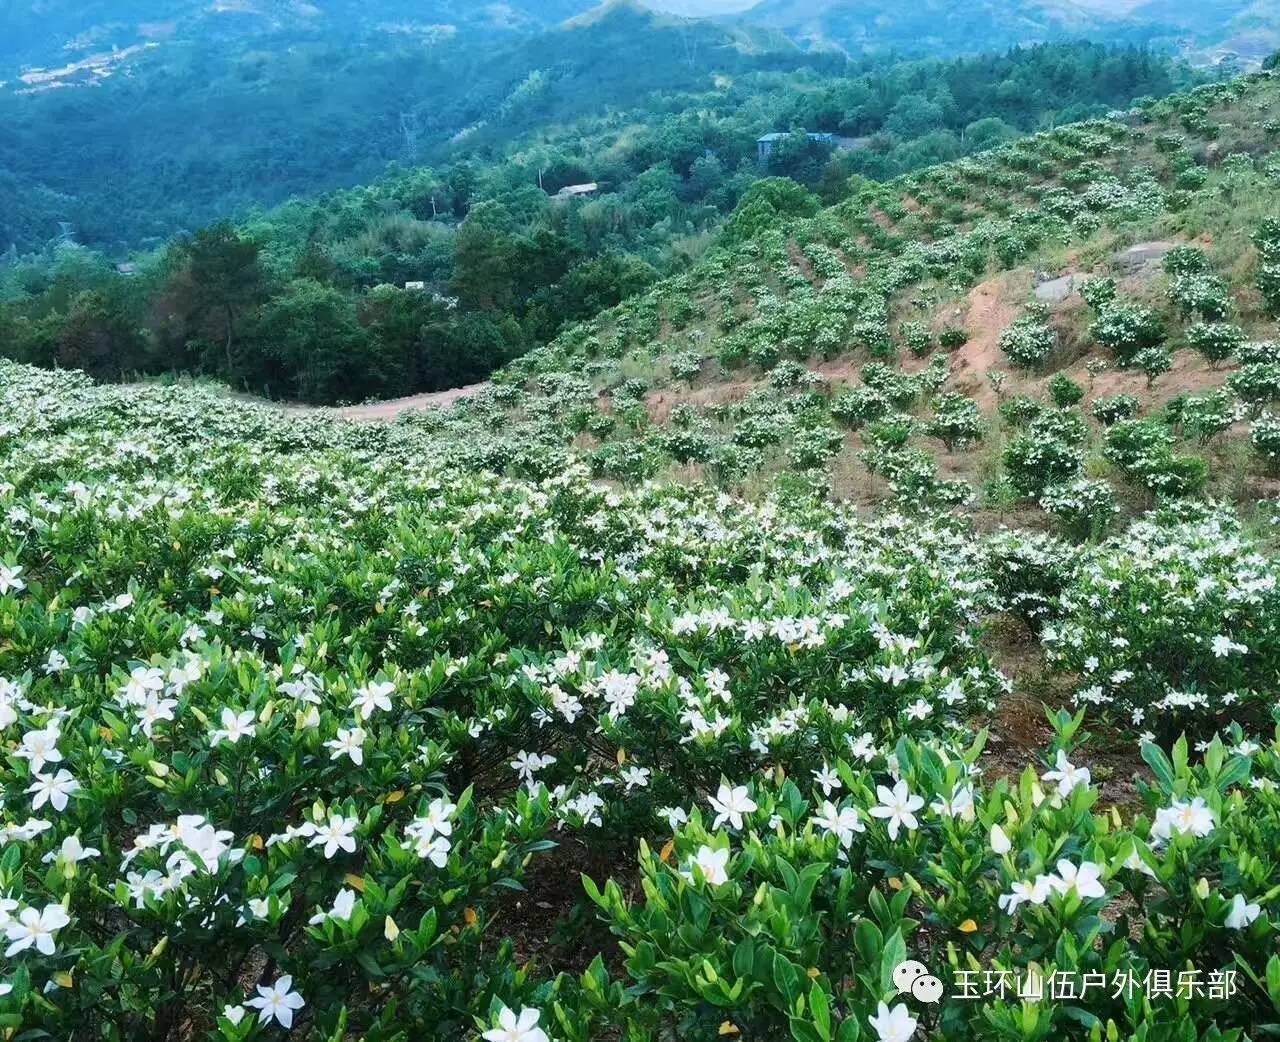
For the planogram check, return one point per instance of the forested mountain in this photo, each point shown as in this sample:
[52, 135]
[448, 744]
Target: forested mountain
[151, 117]
[190, 129]
[1205, 29]
[303, 301]
[45, 31]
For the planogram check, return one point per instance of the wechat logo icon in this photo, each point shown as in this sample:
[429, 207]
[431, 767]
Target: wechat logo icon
[913, 978]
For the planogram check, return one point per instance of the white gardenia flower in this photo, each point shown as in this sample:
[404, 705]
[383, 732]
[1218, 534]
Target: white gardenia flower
[1241, 913]
[714, 865]
[35, 929]
[1023, 891]
[1194, 817]
[730, 804]
[674, 816]
[437, 820]
[39, 748]
[335, 835]
[235, 1014]
[999, 840]
[343, 905]
[277, 1002]
[527, 764]
[842, 823]
[635, 777]
[349, 742]
[9, 581]
[1086, 880]
[372, 697]
[898, 806]
[53, 789]
[893, 1025]
[234, 727]
[827, 780]
[1223, 646]
[71, 851]
[512, 1027]
[1067, 775]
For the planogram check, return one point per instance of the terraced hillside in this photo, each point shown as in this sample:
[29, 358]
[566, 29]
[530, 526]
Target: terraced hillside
[916, 344]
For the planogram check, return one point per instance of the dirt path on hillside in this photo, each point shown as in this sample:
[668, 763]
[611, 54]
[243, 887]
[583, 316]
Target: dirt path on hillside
[373, 412]
[384, 411]
[988, 317]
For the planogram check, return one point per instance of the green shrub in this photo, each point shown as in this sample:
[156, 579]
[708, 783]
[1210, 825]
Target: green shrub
[1064, 391]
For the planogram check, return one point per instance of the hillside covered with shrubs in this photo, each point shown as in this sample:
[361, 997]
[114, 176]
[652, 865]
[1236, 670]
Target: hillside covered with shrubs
[897, 581]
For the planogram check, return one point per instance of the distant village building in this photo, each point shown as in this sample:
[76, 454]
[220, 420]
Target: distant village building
[577, 191]
[766, 144]
[448, 303]
[127, 269]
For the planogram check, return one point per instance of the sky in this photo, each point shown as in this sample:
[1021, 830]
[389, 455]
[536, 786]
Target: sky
[700, 7]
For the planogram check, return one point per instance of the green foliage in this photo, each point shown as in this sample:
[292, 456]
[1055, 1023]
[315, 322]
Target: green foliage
[1084, 509]
[1111, 410]
[1217, 341]
[1064, 391]
[1127, 329]
[1029, 341]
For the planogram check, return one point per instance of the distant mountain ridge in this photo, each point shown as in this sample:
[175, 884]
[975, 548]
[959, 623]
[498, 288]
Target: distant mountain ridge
[47, 31]
[1203, 29]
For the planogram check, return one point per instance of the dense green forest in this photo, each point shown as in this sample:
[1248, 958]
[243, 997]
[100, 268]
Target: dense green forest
[195, 129]
[308, 300]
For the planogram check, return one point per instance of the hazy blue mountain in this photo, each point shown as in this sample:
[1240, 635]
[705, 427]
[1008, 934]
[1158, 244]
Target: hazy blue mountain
[47, 31]
[1203, 29]
[202, 125]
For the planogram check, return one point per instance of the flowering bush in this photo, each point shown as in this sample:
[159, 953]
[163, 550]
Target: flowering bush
[781, 909]
[956, 421]
[1171, 624]
[1050, 453]
[1028, 341]
[1205, 416]
[1127, 329]
[1111, 410]
[1202, 294]
[1153, 361]
[1064, 391]
[1143, 450]
[1084, 508]
[1264, 436]
[1257, 384]
[1217, 341]
[288, 729]
[1267, 239]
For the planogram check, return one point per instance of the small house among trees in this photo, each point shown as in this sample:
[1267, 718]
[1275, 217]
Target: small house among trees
[766, 144]
[577, 191]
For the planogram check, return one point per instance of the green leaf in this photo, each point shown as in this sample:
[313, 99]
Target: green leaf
[1159, 764]
[895, 951]
[803, 1031]
[786, 978]
[820, 1008]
